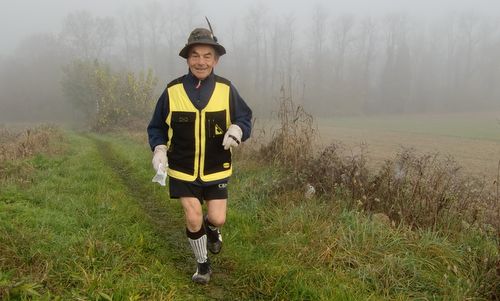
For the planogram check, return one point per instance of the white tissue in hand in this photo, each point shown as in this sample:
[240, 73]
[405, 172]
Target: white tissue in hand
[161, 175]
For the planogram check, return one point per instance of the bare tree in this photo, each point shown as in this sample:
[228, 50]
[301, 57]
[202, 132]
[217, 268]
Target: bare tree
[255, 33]
[342, 38]
[283, 53]
[155, 24]
[396, 73]
[88, 36]
[318, 60]
[470, 32]
[489, 64]
[138, 33]
[190, 12]
[366, 45]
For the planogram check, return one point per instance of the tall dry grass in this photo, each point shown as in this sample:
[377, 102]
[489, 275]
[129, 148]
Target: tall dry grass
[292, 142]
[420, 190]
[18, 145]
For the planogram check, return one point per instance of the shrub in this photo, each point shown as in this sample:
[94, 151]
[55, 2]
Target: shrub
[16, 146]
[25, 143]
[429, 190]
[109, 99]
[419, 190]
[292, 143]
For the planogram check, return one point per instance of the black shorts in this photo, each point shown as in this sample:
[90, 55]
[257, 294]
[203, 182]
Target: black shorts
[178, 189]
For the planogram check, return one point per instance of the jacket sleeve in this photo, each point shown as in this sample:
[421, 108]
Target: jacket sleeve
[241, 114]
[158, 128]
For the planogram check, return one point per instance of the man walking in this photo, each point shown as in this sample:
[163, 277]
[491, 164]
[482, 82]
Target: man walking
[197, 120]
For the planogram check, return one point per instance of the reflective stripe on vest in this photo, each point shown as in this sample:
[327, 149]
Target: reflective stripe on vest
[195, 137]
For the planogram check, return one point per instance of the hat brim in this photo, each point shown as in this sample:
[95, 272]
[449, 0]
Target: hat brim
[218, 48]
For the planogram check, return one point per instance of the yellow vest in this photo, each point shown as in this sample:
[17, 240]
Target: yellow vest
[195, 136]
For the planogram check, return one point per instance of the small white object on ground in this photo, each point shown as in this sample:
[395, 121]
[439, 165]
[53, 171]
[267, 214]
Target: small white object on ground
[310, 191]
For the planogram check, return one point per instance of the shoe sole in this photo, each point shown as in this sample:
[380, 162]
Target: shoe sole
[201, 281]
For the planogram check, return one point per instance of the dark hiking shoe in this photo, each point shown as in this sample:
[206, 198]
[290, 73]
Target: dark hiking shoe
[203, 272]
[214, 238]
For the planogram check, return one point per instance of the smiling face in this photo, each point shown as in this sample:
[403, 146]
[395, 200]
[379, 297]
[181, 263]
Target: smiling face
[202, 60]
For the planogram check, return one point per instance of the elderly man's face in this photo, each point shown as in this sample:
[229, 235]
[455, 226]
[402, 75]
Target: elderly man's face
[202, 60]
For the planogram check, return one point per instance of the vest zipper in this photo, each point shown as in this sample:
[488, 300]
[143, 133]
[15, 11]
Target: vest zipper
[199, 131]
[199, 151]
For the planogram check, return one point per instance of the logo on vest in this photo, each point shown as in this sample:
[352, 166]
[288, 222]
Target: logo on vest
[218, 130]
[226, 165]
[222, 185]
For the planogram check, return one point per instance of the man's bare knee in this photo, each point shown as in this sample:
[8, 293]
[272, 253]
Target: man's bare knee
[217, 212]
[217, 220]
[193, 213]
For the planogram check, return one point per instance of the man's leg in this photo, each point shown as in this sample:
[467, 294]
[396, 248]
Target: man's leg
[192, 212]
[197, 237]
[215, 218]
[216, 210]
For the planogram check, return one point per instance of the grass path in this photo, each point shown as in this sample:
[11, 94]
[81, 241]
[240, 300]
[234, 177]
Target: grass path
[250, 267]
[167, 223]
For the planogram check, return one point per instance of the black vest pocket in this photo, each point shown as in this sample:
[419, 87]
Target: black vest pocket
[216, 158]
[182, 148]
[215, 125]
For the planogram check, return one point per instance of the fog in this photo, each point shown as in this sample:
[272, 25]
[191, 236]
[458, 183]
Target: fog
[336, 58]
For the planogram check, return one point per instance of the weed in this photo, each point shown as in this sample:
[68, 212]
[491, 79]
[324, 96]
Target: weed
[419, 190]
[23, 151]
[28, 142]
[292, 143]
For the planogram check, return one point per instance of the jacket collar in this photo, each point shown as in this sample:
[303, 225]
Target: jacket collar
[191, 79]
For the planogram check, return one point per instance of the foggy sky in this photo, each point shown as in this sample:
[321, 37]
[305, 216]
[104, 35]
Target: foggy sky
[20, 18]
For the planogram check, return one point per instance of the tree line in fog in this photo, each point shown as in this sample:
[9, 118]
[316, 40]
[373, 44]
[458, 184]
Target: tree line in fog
[331, 64]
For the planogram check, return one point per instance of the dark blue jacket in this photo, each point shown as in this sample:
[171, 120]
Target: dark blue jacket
[241, 114]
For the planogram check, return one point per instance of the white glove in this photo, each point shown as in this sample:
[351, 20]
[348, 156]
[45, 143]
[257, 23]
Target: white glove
[232, 138]
[160, 158]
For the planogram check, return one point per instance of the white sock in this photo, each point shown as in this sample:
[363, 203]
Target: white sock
[199, 247]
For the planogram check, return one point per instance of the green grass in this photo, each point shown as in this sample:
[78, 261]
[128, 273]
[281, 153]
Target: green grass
[472, 126]
[92, 226]
[77, 233]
